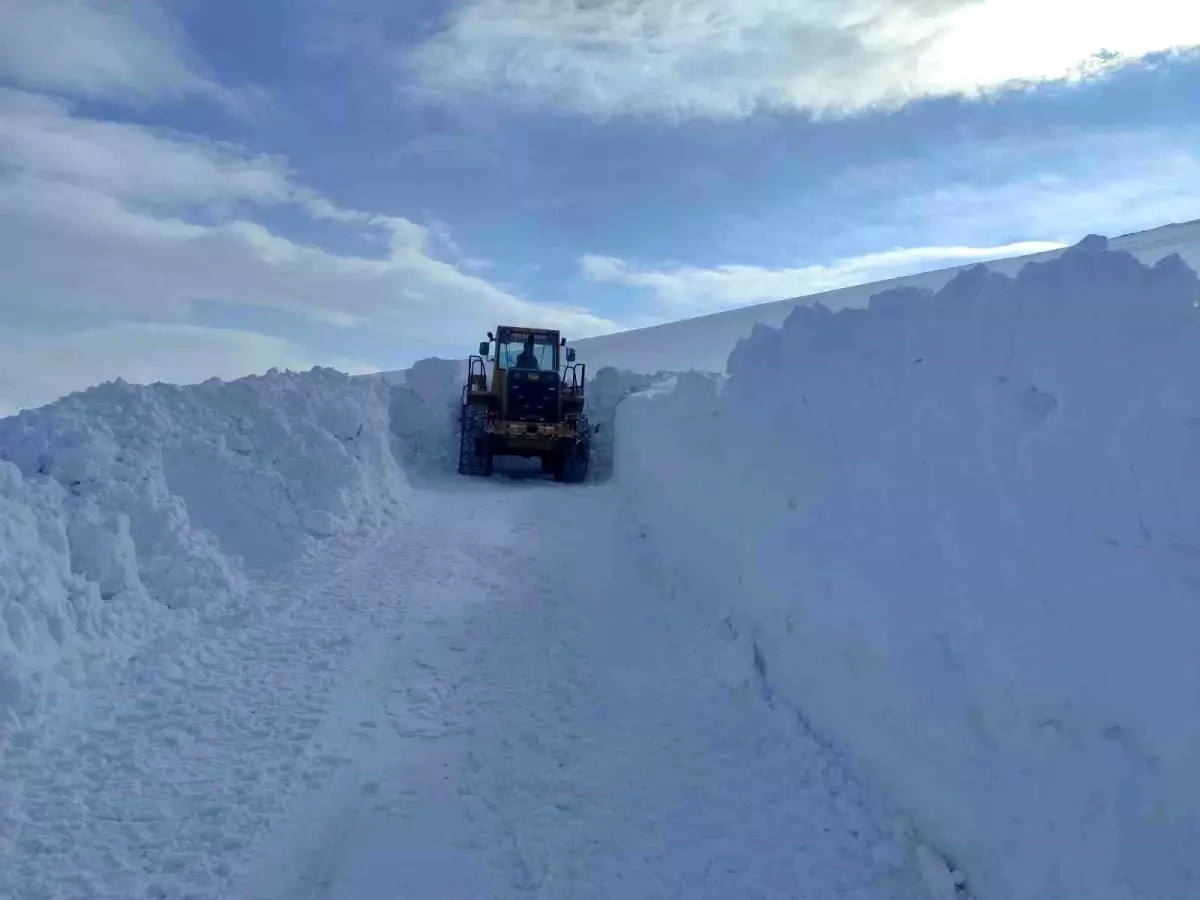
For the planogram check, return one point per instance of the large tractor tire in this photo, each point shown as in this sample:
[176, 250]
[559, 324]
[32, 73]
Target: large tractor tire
[474, 455]
[576, 457]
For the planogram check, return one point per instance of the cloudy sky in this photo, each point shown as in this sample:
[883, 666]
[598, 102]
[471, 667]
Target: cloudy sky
[199, 187]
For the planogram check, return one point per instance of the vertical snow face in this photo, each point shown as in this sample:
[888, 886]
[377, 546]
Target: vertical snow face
[425, 411]
[126, 507]
[963, 528]
[605, 391]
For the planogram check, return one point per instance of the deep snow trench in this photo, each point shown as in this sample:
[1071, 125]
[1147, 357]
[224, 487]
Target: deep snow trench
[486, 705]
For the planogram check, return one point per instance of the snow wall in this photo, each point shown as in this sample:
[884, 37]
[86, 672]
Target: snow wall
[425, 413]
[128, 509]
[960, 534]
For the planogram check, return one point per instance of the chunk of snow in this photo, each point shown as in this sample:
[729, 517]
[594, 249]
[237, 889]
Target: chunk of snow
[937, 875]
[320, 523]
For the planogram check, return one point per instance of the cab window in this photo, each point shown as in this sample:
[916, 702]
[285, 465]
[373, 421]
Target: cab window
[527, 351]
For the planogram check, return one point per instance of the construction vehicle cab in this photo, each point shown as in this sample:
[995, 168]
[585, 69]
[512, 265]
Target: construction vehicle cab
[524, 397]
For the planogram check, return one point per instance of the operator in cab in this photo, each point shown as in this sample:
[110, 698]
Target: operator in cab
[527, 358]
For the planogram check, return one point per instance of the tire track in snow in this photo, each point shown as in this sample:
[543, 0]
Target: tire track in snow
[619, 766]
[596, 755]
[398, 783]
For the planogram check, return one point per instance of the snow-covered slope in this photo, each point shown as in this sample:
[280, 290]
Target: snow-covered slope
[126, 507]
[959, 532]
[705, 342]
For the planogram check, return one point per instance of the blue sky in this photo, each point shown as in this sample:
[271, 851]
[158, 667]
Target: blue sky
[194, 188]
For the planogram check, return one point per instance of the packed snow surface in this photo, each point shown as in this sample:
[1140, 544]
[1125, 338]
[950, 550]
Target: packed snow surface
[550, 724]
[962, 532]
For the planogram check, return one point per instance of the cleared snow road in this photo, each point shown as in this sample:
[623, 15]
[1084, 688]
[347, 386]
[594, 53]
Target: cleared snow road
[500, 702]
[558, 733]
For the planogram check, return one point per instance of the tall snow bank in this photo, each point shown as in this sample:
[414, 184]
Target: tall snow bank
[604, 392]
[124, 502]
[250, 469]
[960, 532]
[425, 411]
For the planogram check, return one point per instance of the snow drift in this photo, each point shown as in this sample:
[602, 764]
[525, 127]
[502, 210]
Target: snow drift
[125, 507]
[960, 532]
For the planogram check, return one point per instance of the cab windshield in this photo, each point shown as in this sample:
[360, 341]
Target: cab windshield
[527, 351]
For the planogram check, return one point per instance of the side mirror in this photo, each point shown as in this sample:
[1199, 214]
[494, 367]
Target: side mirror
[484, 346]
[570, 354]
[596, 430]
[491, 337]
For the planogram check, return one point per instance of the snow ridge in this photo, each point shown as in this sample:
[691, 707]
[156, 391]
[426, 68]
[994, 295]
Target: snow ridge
[125, 507]
[961, 530]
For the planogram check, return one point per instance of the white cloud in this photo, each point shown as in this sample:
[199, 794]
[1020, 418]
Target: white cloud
[689, 291]
[718, 58]
[111, 223]
[132, 51]
[1117, 183]
[140, 353]
[71, 248]
[40, 139]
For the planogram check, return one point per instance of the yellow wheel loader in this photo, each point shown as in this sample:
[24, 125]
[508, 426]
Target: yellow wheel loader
[528, 403]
